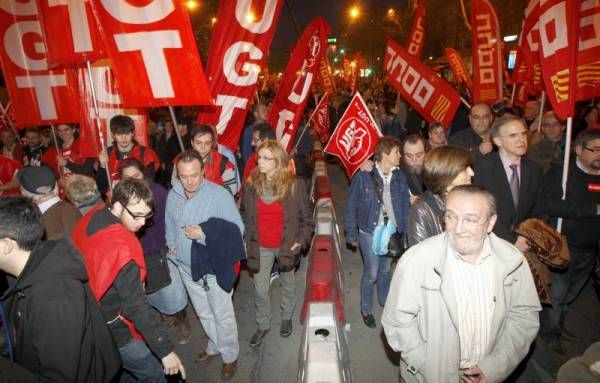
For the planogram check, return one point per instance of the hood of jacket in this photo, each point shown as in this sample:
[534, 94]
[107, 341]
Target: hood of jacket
[49, 261]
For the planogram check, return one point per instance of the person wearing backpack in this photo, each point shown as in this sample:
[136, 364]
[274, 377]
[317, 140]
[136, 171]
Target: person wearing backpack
[53, 328]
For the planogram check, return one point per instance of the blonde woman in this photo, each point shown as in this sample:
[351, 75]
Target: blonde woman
[278, 225]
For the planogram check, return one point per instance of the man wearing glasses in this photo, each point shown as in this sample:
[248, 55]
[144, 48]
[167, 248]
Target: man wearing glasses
[116, 268]
[462, 305]
[551, 149]
[580, 210]
[476, 139]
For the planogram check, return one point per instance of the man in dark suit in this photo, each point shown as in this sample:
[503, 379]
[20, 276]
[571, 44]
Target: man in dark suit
[513, 179]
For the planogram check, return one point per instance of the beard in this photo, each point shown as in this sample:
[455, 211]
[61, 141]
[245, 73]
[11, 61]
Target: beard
[414, 169]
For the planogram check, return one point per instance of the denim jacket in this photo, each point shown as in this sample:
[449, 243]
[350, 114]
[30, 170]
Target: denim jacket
[363, 206]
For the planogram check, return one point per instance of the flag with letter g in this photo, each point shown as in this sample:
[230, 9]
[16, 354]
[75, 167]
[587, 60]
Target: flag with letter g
[355, 136]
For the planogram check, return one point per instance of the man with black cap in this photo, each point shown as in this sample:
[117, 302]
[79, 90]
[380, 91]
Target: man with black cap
[59, 217]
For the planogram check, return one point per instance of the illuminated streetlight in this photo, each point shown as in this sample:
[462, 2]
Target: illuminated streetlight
[391, 12]
[213, 20]
[354, 12]
[192, 4]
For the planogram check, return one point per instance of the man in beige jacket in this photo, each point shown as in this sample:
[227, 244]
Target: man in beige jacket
[462, 306]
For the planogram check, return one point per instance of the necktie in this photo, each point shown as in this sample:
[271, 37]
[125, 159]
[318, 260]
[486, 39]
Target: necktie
[514, 184]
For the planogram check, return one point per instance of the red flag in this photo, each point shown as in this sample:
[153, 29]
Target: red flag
[347, 70]
[7, 116]
[588, 58]
[558, 26]
[238, 48]
[70, 31]
[320, 118]
[530, 47]
[355, 136]
[487, 53]
[40, 96]
[325, 76]
[416, 38]
[109, 105]
[521, 70]
[459, 70]
[521, 94]
[299, 74]
[432, 97]
[153, 52]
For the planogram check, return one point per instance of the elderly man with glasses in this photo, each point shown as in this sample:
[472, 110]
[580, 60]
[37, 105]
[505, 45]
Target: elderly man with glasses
[462, 305]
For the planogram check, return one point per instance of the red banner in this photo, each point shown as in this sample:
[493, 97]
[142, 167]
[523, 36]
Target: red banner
[558, 26]
[40, 96]
[320, 118]
[459, 70]
[432, 97]
[530, 47]
[521, 94]
[347, 70]
[416, 38]
[153, 52]
[71, 32]
[355, 136]
[325, 76]
[303, 66]
[487, 53]
[588, 58]
[109, 105]
[7, 116]
[238, 48]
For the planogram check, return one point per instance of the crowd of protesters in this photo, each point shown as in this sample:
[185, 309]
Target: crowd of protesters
[110, 249]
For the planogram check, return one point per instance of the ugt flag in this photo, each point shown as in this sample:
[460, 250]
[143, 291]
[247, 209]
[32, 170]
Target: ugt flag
[355, 136]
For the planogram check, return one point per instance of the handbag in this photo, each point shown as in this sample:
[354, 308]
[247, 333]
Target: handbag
[397, 242]
[158, 274]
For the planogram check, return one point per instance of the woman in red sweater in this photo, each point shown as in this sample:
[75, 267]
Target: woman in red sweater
[278, 225]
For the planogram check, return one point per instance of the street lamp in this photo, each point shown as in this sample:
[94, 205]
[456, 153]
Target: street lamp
[391, 12]
[354, 12]
[192, 4]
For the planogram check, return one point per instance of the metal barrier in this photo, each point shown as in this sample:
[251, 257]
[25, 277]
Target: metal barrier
[324, 356]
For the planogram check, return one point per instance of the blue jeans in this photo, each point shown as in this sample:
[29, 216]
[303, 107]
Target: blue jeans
[170, 299]
[140, 364]
[215, 310]
[375, 269]
[566, 286]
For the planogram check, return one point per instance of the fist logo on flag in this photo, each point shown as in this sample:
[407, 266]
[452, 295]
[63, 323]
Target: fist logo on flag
[352, 141]
[355, 136]
[314, 47]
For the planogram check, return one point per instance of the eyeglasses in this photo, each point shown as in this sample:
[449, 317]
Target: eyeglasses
[593, 150]
[468, 220]
[138, 217]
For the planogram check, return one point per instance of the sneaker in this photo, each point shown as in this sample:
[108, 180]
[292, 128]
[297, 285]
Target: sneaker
[258, 337]
[274, 276]
[369, 320]
[182, 324]
[286, 328]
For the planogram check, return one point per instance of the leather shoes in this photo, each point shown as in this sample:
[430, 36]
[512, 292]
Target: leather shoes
[286, 328]
[369, 320]
[204, 357]
[228, 370]
[258, 337]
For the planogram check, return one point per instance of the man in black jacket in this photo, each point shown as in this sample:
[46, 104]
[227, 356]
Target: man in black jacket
[581, 212]
[513, 179]
[57, 332]
[476, 139]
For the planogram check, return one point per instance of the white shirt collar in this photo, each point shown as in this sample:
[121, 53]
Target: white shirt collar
[44, 206]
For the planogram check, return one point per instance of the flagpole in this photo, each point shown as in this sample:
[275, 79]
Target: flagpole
[97, 119]
[465, 102]
[60, 169]
[541, 112]
[512, 96]
[7, 120]
[565, 173]
[301, 134]
[176, 127]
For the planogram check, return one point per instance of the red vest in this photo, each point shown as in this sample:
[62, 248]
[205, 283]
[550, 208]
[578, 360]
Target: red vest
[8, 168]
[105, 253]
[142, 153]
